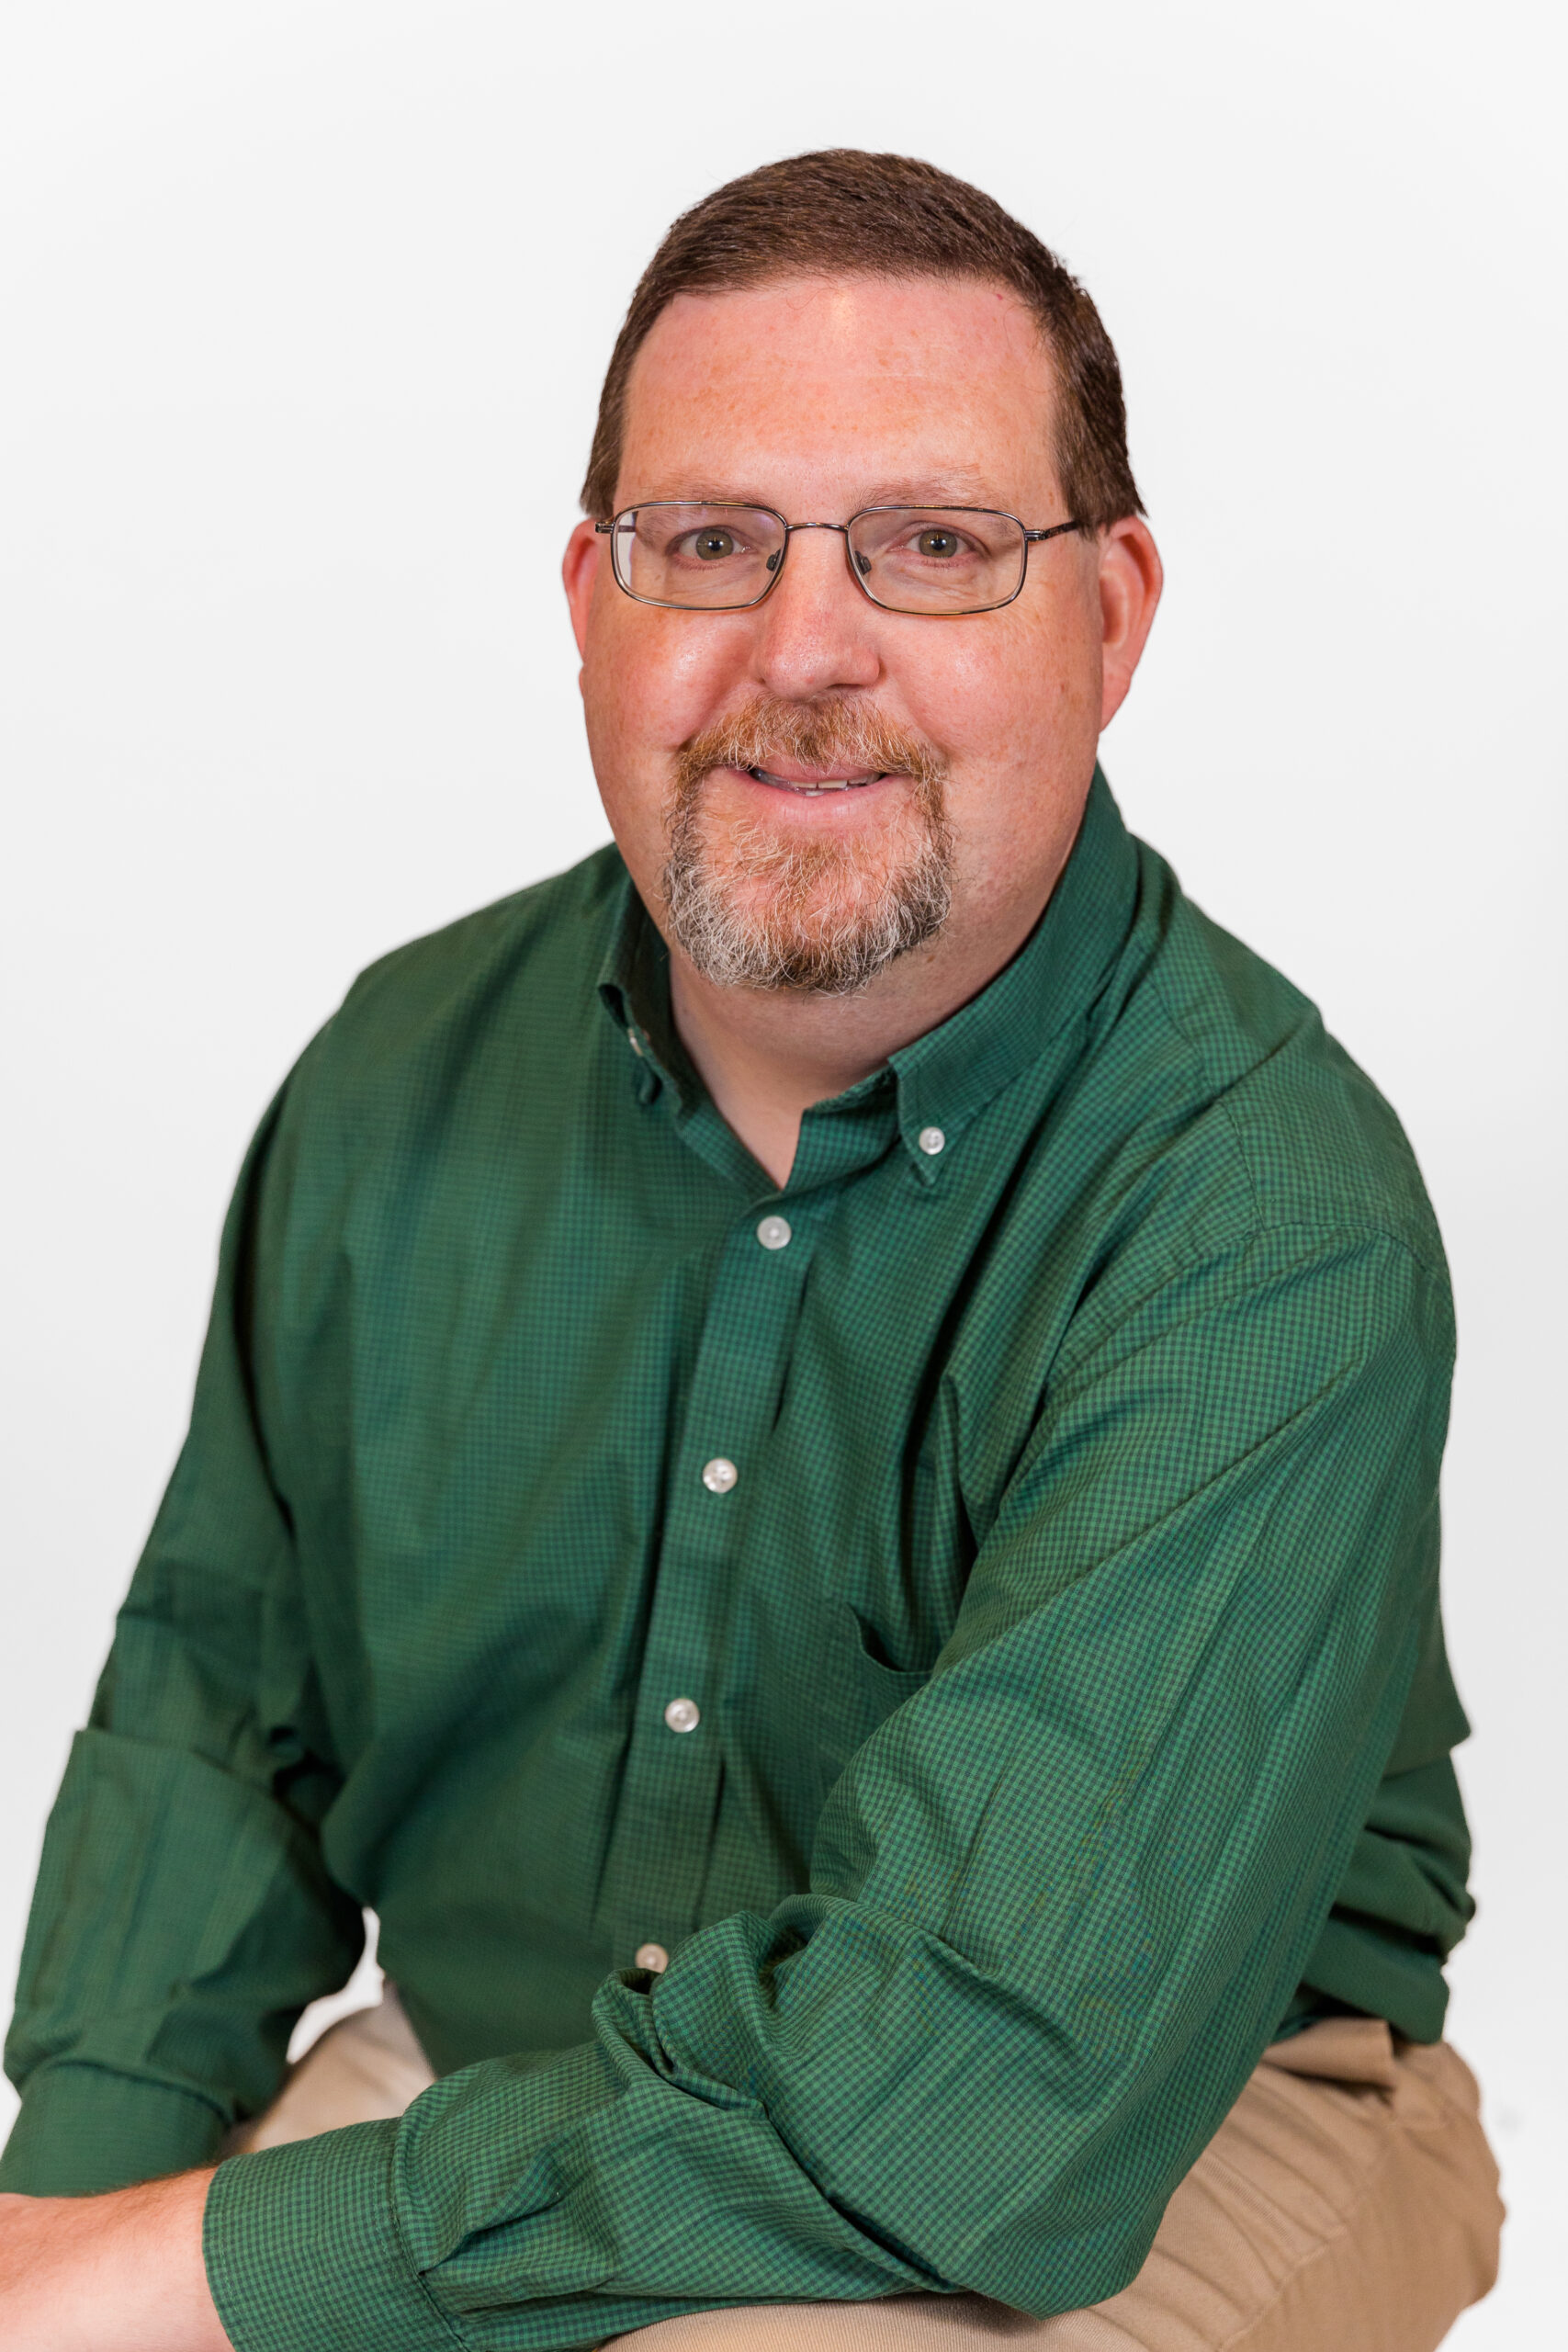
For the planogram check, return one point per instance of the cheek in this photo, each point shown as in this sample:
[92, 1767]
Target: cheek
[1016, 708]
[1002, 691]
[651, 679]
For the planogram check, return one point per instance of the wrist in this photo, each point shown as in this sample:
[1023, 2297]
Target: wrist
[122, 2272]
[158, 2237]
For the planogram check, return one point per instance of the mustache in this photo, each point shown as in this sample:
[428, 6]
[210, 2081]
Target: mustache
[839, 737]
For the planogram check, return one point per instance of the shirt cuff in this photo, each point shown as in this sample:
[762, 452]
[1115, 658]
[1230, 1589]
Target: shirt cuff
[304, 2254]
[86, 2129]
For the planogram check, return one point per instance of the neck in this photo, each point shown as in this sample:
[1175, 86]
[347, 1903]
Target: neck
[766, 1055]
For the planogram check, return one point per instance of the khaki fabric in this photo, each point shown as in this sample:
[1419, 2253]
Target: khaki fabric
[364, 2069]
[1347, 2204]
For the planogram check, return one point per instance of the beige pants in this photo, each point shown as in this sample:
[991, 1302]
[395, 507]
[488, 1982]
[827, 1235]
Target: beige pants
[1347, 2204]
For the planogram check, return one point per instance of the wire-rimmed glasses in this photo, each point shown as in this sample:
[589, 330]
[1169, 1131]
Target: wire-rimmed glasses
[724, 557]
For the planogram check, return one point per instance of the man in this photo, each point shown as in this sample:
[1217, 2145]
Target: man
[815, 1471]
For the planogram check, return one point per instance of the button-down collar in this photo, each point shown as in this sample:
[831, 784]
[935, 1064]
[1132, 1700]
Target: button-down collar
[939, 1083]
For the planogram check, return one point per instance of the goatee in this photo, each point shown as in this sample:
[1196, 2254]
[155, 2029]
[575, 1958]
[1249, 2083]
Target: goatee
[754, 909]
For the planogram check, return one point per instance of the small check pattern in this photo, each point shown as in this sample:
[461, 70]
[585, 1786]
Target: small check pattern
[1065, 1707]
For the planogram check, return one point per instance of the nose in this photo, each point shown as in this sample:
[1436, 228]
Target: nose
[816, 632]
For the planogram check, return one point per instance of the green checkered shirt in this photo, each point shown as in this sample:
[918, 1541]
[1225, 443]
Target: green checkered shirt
[975, 1609]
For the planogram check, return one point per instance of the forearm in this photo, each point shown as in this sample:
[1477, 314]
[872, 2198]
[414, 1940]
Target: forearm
[120, 2273]
[183, 1918]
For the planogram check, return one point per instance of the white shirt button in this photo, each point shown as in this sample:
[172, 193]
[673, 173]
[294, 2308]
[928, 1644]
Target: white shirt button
[932, 1140]
[719, 1475]
[653, 1956]
[682, 1714]
[774, 1233]
[634, 1042]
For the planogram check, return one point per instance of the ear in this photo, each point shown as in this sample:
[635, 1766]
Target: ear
[1131, 578]
[580, 570]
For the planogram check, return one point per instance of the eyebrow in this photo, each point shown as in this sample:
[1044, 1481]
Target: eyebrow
[954, 486]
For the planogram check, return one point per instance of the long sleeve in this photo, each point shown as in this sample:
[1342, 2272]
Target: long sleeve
[1059, 1901]
[182, 1917]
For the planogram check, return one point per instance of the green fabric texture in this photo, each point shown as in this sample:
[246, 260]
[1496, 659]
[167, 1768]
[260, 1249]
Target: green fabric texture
[1072, 1707]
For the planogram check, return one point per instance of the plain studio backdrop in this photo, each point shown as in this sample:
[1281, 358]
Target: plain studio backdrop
[305, 309]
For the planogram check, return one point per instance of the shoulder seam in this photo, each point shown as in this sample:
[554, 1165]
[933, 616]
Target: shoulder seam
[1218, 1095]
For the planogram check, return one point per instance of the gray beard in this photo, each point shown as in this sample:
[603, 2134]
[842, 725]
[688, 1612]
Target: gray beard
[796, 934]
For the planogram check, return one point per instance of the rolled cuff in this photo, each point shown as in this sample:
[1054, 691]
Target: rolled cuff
[304, 2254]
[86, 2129]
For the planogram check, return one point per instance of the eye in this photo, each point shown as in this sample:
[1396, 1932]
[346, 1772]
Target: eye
[937, 542]
[713, 546]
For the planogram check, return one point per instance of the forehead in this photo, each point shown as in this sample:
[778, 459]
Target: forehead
[848, 384]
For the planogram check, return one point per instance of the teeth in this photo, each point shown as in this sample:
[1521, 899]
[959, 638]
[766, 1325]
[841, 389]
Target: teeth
[828, 784]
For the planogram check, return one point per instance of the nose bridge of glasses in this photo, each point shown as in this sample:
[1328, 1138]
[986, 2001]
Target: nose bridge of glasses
[791, 529]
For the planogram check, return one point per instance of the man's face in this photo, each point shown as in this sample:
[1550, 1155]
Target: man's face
[967, 742]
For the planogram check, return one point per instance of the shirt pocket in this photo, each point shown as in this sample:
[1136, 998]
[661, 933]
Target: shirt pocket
[856, 1690]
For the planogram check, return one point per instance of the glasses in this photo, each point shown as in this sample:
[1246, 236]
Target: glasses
[939, 561]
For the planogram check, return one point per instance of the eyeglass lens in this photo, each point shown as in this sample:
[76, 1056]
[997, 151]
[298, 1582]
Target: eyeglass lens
[911, 559]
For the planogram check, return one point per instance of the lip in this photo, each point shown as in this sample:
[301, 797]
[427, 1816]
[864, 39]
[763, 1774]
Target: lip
[807, 786]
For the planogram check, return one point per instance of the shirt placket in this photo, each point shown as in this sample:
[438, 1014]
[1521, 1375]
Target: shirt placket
[675, 1765]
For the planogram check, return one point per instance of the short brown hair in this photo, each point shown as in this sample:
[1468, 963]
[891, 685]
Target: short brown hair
[845, 212]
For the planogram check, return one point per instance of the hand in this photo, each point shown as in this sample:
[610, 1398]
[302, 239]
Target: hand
[121, 2273]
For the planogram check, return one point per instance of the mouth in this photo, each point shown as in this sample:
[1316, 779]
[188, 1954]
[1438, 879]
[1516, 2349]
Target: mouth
[809, 786]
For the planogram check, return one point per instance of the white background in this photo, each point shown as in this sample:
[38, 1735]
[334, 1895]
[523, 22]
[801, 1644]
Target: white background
[305, 309]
